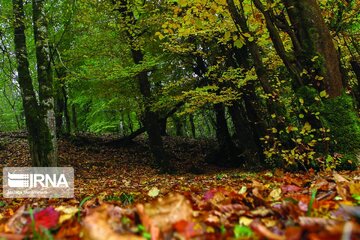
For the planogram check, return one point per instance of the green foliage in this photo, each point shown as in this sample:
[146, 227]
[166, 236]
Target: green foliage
[316, 135]
[194, 57]
[312, 200]
[141, 230]
[343, 122]
[357, 198]
[242, 232]
[124, 198]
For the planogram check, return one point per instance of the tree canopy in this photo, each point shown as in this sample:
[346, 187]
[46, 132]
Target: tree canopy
[275, 82]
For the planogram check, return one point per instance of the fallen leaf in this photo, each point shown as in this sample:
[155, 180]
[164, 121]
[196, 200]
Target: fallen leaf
[66, 213]
[96, 226]
[275, 194]
[245, 221]
[290, 188]
[260, 229]
[162, 213]
[153, 192]
[339, 178]
[46, 218]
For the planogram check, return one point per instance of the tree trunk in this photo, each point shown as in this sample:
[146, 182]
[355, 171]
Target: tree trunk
[240, 20]
[192, 125]
[178, 126]
[150, 118]
[130, 124]
[163, 124]
[74, 118]
[41, 140]
[45, 80]
[278, 44]
[66, 111]
[59, 111]
[356, 67]
[223, 137]
[315, 41]
[243, 133]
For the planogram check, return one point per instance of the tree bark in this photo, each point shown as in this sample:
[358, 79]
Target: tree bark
[45, 80]
[356, 67]
[278, 44]
[315, 40]
[223, 137]
[74, 118]
[150, 118]
[178, 126]
[42, 140]
[192, 125]
[240, 21]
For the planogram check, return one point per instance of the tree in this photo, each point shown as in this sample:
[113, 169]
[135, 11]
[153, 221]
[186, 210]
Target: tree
[40, 120]
[316, 45]
[151, 118]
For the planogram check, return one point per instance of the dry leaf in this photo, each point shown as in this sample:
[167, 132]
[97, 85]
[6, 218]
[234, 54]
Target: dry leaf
[162, 213]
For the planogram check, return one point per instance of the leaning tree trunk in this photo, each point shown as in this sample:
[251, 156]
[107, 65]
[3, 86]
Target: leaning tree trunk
[315, 41]
[41, 146]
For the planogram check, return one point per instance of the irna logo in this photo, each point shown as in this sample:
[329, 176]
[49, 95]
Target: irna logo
[38, 182]
[16, 180]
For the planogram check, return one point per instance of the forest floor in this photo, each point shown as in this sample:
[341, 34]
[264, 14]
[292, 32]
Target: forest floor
[120, 195]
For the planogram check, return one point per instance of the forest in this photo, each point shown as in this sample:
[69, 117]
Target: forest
[183, 119]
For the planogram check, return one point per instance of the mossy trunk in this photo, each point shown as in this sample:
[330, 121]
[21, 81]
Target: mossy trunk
[317, 54]
[45, 80]
[42, 147]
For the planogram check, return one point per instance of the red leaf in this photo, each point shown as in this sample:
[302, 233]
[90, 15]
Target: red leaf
[209, 194]
[187, 229]
[290, 188]
[47, 218]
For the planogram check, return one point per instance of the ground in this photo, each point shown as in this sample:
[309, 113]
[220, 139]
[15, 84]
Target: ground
[119, 194]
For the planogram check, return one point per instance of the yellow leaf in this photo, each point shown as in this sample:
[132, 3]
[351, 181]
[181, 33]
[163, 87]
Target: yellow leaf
[66, 213]
[323, 93]
[307, 126]
[314, 58]
[247, 35]
[161, 37]
[153, 192]
[227, 36]
[245, 221]
[243, 190]
[275, 194]
[183, 3]
[238, 43]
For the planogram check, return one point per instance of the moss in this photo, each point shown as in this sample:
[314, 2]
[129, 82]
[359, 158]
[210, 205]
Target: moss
[339, 116]
[308, 94]
[348, 161]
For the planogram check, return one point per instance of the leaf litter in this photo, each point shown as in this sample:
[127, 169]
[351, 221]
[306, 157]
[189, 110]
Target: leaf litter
[120, 195]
